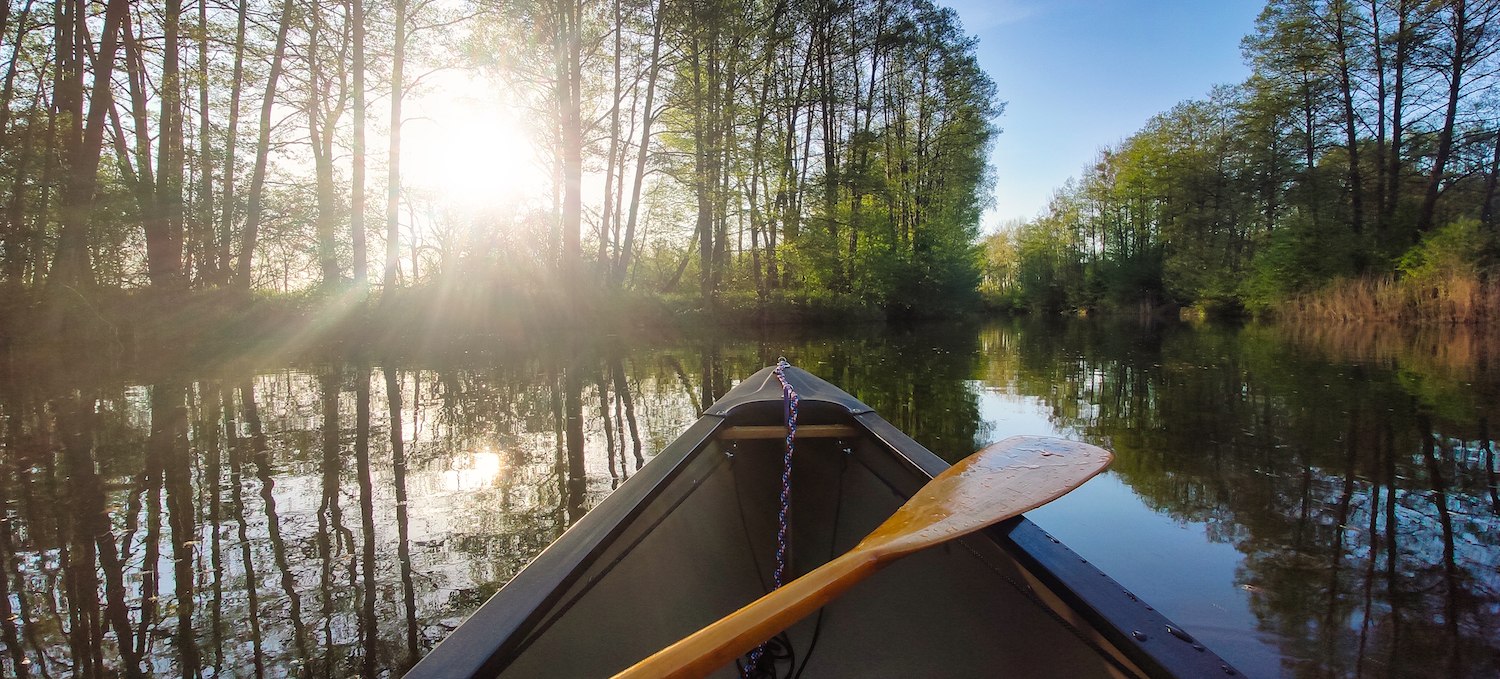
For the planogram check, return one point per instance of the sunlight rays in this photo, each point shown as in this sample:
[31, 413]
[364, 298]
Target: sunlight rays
[467, 144]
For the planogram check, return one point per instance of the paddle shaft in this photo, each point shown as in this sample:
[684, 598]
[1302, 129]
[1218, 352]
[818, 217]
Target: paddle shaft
[719, 644]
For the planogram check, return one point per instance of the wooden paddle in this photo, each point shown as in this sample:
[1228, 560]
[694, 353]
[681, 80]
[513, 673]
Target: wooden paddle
[1003, 480]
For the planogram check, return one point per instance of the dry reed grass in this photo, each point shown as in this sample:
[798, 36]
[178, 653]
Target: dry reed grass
[1450, 299]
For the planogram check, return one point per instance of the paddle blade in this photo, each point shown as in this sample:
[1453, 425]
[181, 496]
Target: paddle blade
[1002, 480]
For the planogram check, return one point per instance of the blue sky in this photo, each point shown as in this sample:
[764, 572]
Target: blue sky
[1079, 75]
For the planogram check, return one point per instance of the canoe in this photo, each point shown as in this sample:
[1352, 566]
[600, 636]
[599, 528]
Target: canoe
[692, 537]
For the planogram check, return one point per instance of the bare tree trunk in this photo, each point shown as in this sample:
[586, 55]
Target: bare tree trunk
[1378, 48]
[1487, 211]
[325, 107]
[648, 116]
[357, 175]
[202, 252]
[1398, 100]
[859, 152]
[723, 160]
[757, 169]
[71, 265]
[1351, 130]
[251, 232]
[703, 183]
[16, 236]
[23, 26]
[611, 161]
[19, 243]
[830, 145]
[1458, 63]
[393, 151]
[231, 141]
[5, 28]
[164, 242]
[788, 197]
[570, 93]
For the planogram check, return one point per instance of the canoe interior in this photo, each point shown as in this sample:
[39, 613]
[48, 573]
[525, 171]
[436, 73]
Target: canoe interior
[704, 545]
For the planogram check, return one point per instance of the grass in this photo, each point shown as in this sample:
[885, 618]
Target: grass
[1452, 299]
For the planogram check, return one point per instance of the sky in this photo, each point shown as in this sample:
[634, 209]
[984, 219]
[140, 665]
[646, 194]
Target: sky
[1079, 75]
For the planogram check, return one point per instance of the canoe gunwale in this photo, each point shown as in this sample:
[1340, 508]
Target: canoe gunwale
[489, 639]
[471, 650]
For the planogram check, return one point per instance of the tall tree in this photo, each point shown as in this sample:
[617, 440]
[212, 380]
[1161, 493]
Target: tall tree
[393, 150]
[568, 55]
[83, 138]
[250, 232]
[357, 176]
[1470, 37]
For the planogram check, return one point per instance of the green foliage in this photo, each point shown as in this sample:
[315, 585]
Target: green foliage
[1456, 249]
[1298, 257]
[1263, 192]
[851, 186]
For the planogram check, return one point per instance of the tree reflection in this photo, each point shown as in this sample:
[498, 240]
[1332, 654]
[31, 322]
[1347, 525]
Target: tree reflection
[265, 474]
[368, 632]
[207, 427]
[573, 439]
[1340, 482]
[169, 433]
[19, 663]
[403, 522]
[622, 390]
[237, 502]
[173, 524]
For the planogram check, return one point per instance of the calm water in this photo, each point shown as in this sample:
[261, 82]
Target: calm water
[1309, 505]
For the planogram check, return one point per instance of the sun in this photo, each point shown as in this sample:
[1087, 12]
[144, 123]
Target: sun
[466, 145]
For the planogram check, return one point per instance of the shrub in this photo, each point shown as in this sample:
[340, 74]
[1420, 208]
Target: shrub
[1453, 251]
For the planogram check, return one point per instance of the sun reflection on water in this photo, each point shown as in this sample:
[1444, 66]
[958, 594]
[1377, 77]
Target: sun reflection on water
[481, 469]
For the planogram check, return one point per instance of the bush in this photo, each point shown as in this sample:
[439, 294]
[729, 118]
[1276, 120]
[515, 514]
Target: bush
[1453, 251]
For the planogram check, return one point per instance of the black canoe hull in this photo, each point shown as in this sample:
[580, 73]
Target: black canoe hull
[690, 538]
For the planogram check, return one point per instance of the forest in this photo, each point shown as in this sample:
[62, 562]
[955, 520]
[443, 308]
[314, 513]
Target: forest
[1352, 176]
[796, 151]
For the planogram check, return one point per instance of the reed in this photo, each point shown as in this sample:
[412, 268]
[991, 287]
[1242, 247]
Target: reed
[1449, 299]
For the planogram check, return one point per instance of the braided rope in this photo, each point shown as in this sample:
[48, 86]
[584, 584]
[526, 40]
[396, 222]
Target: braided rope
[789, 400]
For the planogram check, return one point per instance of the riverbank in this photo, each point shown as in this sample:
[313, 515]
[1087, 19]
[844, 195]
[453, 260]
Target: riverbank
[129, 322]
[1445, 299]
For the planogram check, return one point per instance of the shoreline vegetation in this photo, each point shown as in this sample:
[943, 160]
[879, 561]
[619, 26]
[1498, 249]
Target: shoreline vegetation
[742, 168]
[128, 321]
[1450, 299]
[131, 323]
[218, 166]
[1353, 176]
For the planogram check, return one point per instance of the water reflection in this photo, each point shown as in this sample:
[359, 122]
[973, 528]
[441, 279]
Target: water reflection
[339, 514]
[1359, 490]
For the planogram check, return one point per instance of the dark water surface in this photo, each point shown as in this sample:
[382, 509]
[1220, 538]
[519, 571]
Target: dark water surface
[1307, 504]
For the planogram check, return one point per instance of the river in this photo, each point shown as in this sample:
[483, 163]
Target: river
[1306, 503]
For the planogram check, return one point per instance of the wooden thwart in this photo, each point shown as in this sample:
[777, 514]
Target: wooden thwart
[806, 431]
